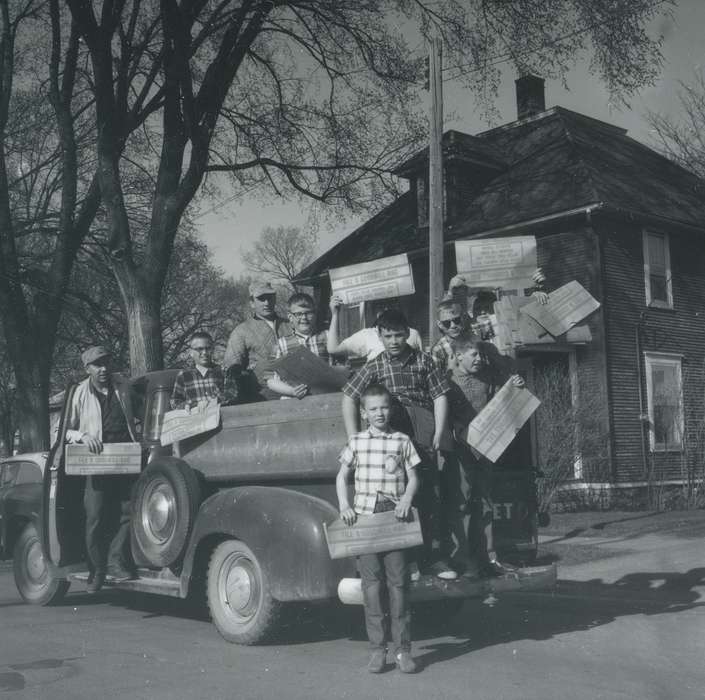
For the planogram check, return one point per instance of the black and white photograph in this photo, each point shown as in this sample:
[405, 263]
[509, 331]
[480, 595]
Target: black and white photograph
[352, 349]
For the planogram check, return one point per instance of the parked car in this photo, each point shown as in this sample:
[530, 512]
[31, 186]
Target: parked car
[238, 513]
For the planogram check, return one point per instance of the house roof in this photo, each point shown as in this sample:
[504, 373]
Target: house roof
[557, 161]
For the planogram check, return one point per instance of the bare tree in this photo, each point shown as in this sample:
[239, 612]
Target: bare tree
[683, 139]
[308, 97]
[281, 253]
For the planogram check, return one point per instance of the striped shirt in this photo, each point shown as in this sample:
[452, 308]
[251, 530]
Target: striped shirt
[316, 343]
[380, 462]
[192, 386]
[413, 379]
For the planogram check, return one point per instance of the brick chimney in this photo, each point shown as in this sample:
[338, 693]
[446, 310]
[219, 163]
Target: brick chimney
[530, 96]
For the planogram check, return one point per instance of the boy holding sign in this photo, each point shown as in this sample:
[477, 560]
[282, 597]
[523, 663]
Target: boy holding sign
[382, 461]
[478, 373]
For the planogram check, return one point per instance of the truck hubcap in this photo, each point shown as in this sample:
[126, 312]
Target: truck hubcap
[159, 512]
[36, 569]
[239, 588]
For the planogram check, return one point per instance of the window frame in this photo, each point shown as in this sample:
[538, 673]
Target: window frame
[657, 303]
[674, 360]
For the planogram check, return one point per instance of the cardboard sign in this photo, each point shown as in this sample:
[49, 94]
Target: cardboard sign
[380, 532]
[181, 424]
[379, 279]
[567, 306]
[494, 428]
[301, 366]
[507, 263]
[116, 458]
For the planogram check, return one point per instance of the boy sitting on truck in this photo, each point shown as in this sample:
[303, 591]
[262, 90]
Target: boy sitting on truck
[419, 409]
[205, 382]
[382, 461]
[479, 371]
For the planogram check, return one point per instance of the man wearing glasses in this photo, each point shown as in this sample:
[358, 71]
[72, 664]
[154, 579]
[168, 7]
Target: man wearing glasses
[254, 343]
[205, 382]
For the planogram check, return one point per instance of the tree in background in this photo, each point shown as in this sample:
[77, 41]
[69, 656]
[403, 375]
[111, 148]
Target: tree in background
[7, 404]
[315, 98]
[683, 139]
[281, 253]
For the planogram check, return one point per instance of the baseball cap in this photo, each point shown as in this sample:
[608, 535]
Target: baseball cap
[94, 353]
[258, 289]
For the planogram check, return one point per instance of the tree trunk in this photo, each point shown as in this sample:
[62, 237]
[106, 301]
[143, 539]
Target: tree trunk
[144, 331]
[33, 418]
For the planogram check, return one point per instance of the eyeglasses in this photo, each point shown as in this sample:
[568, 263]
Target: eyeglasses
[456, 321]
[266, 297]
[207, 348]
[302, 314]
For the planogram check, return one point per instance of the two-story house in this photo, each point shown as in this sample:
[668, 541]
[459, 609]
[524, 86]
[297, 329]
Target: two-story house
[606, 210]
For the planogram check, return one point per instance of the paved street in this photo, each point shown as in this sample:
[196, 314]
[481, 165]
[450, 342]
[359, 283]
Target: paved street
[630, 624]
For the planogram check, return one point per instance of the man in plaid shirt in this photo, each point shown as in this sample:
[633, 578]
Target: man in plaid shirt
[382, 461]
[419, 388]
[303, 319]
[205, 381]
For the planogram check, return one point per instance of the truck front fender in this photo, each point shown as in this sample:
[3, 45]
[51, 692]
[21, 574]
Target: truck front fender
[284, 529]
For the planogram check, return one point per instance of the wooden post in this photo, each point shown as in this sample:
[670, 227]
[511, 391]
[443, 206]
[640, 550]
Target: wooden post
[435, 186]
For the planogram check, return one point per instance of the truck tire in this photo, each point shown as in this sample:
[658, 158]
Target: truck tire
[240, 604]
[166, 500]
[33, 578]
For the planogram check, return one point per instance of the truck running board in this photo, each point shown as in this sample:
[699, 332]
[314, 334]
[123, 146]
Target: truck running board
[430, 587]
[159, 582]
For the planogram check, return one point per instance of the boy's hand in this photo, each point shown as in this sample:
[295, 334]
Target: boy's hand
[348, 516]
[518, 381]
[299, 391]
[336, 301]
[538, 277]
[436, 444]
[403, 509]
[541, 297]
[457, 281]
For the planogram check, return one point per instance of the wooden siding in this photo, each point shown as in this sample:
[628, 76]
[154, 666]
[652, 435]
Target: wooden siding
[680, 330]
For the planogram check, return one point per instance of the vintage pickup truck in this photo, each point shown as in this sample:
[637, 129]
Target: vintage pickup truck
[237, 515]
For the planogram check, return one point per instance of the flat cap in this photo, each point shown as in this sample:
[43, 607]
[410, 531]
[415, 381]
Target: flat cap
[94, 353]
[258, 289]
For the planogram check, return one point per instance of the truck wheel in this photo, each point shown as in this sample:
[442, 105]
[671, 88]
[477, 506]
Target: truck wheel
[241, 606]
[167, 497]
[33, 578]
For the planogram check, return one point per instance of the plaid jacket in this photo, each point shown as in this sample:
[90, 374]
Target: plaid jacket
[380, 462]
[316, 343]
[190, 387]
[414, 379]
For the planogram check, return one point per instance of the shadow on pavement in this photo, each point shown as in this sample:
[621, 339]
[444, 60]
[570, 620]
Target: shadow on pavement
[540, 615]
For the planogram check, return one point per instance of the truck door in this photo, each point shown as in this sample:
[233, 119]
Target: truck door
[62, 513]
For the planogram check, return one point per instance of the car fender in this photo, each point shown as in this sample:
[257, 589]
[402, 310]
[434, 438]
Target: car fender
[21, 504]
[284, 529]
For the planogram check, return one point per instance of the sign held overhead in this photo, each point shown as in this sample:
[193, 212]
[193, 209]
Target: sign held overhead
[567, 306]
[378, 279]
[506, 263]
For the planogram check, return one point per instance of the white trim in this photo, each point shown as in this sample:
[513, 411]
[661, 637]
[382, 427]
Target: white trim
[670, 360]
[574, 400]
[647, 271]
[607, 485]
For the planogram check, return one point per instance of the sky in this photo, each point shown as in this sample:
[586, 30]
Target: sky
[229, 224]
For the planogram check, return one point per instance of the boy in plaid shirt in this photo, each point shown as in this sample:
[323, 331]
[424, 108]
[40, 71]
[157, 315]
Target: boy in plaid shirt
[382, 461]
[205, 381]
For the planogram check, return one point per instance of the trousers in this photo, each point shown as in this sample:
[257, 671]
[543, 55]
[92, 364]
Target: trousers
[107, 501]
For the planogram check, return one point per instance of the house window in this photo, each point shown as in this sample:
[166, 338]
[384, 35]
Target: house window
[657, 270]
[664, 393]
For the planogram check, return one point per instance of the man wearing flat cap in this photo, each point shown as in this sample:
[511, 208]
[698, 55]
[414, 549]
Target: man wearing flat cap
[100, 413]
[253, 344]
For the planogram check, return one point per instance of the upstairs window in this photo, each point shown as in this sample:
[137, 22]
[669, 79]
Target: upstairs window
[664, 393]
[657, 270]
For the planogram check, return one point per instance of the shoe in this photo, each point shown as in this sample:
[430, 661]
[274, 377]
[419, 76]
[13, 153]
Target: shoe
[442, 570]
[405, 663]
[496, 568]
[414, 572]
[377, 661]
[96, 582]
[116, 575]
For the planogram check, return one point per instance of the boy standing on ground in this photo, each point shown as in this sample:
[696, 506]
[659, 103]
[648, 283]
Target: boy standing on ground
[420, 409]
[382, 460]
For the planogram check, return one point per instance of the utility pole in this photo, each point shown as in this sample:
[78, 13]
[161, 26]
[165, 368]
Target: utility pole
[435, 185]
